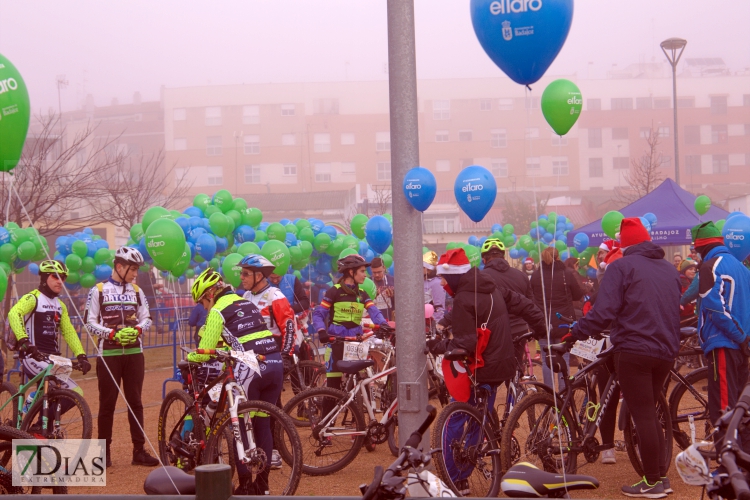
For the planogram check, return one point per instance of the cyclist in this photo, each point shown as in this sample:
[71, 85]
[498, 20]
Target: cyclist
[117, 313]
[239, 323]
[433, 290]
[293, 290]
[37, 319]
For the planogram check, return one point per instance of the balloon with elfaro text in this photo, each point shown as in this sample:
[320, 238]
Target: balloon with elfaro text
[14, 115]
[420, 187]
[475, 190]
[736, 232]
[522, 37]
[561, 105]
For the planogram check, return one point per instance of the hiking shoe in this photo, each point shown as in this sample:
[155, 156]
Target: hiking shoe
[463, 487]
[667, 487]
[275, 460]
[608, 456]
[141, 457]
[642, 489]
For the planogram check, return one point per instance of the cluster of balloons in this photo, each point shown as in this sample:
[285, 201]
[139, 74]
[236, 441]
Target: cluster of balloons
[87, 257]
[18, 248]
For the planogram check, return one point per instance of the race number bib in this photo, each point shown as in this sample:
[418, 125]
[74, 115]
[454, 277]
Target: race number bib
[61, 367]
[214, 393]
[588, 349]
[248, 359]
[356, 351]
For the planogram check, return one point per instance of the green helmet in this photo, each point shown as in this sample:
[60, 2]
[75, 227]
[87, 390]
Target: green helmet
[203, 282]
[52, 267]
[491, 243]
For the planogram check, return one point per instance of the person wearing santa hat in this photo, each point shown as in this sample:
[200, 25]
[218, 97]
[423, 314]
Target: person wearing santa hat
[528, 267]
[639, 301]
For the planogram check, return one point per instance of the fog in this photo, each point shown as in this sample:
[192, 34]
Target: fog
[114, 48]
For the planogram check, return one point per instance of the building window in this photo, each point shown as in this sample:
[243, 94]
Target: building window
[382, 141]
[252, 174]
[532, 133]
[465, 162]
[464, 135]
[179, 114]
[559, 165]
[322, 172]
[485, 104]
[622, 103]
[533, 166]
[348, 168]
[686, 102]
[505, 104]
[692, 134]
[213, 145]
[499, 167]
[441, 110]
[215, 176]
[252, 144]
[498, 138]
[439, 224]
[290, 169]
[693, 164]
[559, 140]
[322, 143]
[596, 168]
[593, 104]
[347, 139]
[619, 133]
[621, 163]
[443, 165]
[644, 133]
[326, 106]
[720, 164]
[441, 136]
[213, 116]
[718, 105]
[719, 134]
[595, 137]
[663, 131]
[180, 144]
[288, 139]
[287, 110]
[643, 103]
[384, 171]
[250, 114]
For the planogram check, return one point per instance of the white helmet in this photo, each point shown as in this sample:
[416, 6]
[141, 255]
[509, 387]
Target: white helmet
[129, 255]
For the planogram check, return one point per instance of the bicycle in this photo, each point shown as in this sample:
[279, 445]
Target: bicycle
[7, 435]
[206, 433]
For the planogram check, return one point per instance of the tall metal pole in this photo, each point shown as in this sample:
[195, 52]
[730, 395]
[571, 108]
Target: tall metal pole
[673, 45]
[407, 222]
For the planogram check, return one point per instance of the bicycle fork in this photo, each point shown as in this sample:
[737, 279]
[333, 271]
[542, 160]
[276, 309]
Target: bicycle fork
[244, 441]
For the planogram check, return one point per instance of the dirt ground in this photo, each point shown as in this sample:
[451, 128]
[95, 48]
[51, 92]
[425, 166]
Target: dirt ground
[123, 478]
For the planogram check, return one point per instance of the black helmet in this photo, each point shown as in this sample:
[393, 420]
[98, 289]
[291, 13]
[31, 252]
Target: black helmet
[353, 261]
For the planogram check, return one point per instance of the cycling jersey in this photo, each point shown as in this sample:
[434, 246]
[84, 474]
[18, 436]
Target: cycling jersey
[277, 313]
[344, 309]
[40, 318]
[111, 306]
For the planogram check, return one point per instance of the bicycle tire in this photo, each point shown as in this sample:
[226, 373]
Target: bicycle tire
[7, 435]
[179, 400]
[313, 374]
[283, 481]
[682, 403]
[467, 459]
[86, 425]
[631, 439]
[9, 414]
[310, 403]
[538, 412]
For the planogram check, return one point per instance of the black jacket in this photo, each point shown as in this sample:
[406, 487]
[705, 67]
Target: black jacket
[477, 288]
[505, 276]
[639, 300]
[560, 290]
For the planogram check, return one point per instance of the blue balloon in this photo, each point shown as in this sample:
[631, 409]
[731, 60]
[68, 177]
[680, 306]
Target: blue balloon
[244, 233]
[59, 242]
[316, 225]
[651, 218]
[565, 256]
[363, 248]
[563, 238]
[290, 240]
[142, 248]
[88, 230]
[323, 267]
[581, 242]
[91, 249]
[543, 217]
[195, 222]
[522, 37]
[419, 188]
[495, 228]
[548, 237]
[513, 253]
[221, 245]
[181, 280]
[330, 231]
[591, 273]
[184, 224]
[263, 225]
[569, 226]
[378, 233]
[475, 190]
[72, 286]
[191, 246]
[645, 223]
[473, 240]
[193, 212]
[736, 234]
[205, 246]
[522, 254]
[34, 268]
[284, 222]
[482, 240]
[368, 255]
[194, 234]
[102, 272]
[260, 243]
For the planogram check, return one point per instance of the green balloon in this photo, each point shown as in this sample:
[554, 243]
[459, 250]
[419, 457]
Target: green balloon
[252, 217]
[236, 217]
[165, 243]
[526, 242]
[452, 245]
[230, 221]
[306, 248]
[231, 270]
[223, 200]
[552, 217]
[302, 224]
[351, 242]
[347, 251]
[136, 232]
[369, 287]
[702, 204]
[322, 242]
[219, 224]
[6, 268]
[306, 234]
[88, 265]
[509, 241]
[295, 254]
[183, 262]
[534, 224]
[3, 283]
[87, 280]
[561, 246]
[210, 210]
[389, 250]
[278, 253]
[387, 260]
[276, 231]
[73, 277]
[198, 259]
[508, 229]
[214, 263]
[239, 204]
[720, 224]
[201, 201]
[27, 250]
[473, 254]
[534, 255]
[611, 223]
[153, 214]
[247, 248]
[260, 236]
[335, 247]
[300, 264]
[561, 105]
[389, 217]
[357, 225]
[291, 228]
[190, 273]
[15, 113]
[79, 248]
[11, 225]
[101, 256]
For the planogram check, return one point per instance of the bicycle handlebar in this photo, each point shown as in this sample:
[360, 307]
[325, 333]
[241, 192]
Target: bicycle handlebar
[222, 355]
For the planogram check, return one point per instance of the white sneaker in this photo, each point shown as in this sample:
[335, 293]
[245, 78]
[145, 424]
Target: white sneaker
[608, 456]
[275, 460]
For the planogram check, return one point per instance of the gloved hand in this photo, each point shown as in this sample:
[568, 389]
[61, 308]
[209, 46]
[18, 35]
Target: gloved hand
[323, 337]
[745, 347]
[26, 349]
[288, 363]
[385, 328]
[431, 344]
[83, 362]
[125, 336]
[568, 339]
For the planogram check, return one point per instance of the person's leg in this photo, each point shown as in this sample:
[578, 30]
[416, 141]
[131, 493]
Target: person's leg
[108, 392]
[270, 390]
[659, 374]
[132, 384]
[609, 419]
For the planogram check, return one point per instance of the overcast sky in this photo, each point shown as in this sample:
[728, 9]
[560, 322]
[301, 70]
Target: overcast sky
[113, 48]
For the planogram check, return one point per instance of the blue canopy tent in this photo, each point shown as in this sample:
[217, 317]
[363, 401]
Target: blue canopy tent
[675, 215]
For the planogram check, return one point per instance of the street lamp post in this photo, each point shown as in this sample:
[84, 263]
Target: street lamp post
[673, 48]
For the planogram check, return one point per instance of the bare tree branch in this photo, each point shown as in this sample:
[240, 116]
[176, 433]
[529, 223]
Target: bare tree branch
[645, 172]
[521, 214]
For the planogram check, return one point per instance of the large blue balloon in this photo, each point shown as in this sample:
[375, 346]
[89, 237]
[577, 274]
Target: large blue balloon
[193, 212]
[34, 268]
[330, 231]
[651, 218]
[475, 190]
[581, 242]
[378, 233]
[736, 234]
[205, 246]
[420, 187]
[244, 233]
[102, 272]
[522, 37]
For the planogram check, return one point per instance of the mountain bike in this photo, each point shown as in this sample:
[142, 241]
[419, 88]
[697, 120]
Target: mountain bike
[7, 435]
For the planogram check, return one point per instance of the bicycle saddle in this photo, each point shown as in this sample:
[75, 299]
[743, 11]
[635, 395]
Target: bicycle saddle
[688, 331]
[456, 355]
[158, 482]
[351, 367]
[183, 364]
[524, 480]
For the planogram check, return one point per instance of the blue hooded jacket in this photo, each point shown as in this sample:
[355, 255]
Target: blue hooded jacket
[724, 287]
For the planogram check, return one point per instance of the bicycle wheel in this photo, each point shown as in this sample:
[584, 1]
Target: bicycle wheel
[326, 455]
[690, 401]
[469, 458]
[9, 413]
[281, 481]
[7, 435]
[313, 374]
[538, 433]
[74, 413]
[180, 439]
[630, 435]
[393, 436]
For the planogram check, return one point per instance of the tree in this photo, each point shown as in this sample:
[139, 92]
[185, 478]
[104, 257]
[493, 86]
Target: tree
[645, 172]
[521, 213]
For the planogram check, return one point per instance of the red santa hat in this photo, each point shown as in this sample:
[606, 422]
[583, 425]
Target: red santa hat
[632, 232]
[609, 245]
[528, 260]
[453, 262]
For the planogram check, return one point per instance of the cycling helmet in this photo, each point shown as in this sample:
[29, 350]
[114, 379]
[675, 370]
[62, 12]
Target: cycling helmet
[353, 261]
[257, 263]
[203, 282]
[52, 267]
[492, 243]
[129, 255]
[430, 260]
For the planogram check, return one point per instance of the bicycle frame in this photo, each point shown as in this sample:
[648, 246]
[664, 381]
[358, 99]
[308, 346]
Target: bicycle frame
[41, 379]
